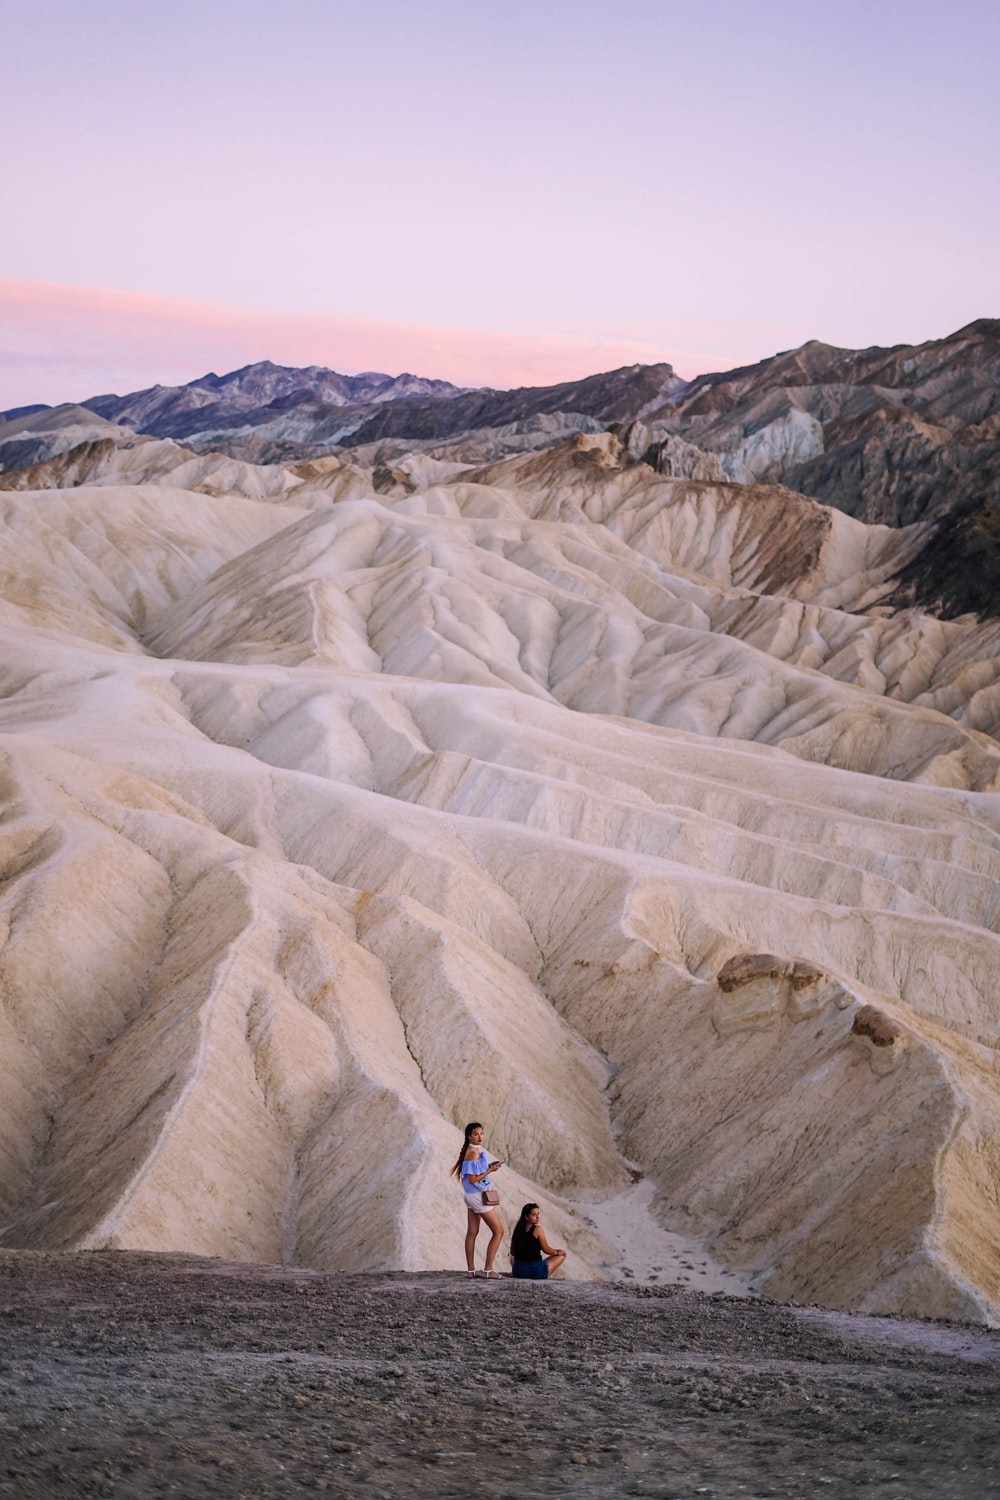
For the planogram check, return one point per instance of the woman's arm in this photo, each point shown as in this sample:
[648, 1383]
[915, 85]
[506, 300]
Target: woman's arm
[478, 1176]
[546, 1247]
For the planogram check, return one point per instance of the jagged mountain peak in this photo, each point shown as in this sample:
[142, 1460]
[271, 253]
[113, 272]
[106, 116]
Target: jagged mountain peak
[165, 411]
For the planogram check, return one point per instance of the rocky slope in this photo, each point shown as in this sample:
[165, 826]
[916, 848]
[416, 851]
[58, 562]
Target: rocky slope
[890, 436]
[37, 434]
[351, 798]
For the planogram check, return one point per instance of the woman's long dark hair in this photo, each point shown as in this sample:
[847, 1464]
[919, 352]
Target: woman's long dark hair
[456, 1170]
[522, 1223]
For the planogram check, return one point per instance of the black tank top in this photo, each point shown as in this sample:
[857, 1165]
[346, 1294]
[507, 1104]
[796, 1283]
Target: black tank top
[525, 1245]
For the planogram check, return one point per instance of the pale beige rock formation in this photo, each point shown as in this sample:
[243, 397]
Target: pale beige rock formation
[602, 805]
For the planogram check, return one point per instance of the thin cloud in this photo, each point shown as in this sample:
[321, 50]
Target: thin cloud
[66, 343]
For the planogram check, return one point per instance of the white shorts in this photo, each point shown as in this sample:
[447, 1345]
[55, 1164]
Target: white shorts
[475, 1202]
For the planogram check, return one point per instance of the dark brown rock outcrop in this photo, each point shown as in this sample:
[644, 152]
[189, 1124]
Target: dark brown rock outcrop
[746, 967]
[876, 1026]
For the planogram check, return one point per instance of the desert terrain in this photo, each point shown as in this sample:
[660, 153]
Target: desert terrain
[569, 771]
[131, 1375]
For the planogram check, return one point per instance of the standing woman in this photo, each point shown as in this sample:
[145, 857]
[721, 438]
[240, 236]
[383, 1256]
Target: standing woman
[473, 1170]
[534, 1258]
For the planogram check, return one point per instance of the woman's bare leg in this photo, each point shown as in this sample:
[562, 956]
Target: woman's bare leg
[496, 1236]
[471, 1230]
[555, 1261]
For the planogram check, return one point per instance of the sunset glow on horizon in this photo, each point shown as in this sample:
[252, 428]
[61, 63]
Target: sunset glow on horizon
[61, 334]
[505, 196]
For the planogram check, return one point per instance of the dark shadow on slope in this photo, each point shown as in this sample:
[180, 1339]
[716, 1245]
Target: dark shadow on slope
[958, 571]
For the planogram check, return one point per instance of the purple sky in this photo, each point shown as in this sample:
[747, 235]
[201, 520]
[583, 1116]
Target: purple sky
[512, 192]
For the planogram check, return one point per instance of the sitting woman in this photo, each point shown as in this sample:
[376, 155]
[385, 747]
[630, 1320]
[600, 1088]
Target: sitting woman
[534, 1258]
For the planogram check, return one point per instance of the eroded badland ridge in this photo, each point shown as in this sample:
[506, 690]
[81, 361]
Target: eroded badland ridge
[615, 763]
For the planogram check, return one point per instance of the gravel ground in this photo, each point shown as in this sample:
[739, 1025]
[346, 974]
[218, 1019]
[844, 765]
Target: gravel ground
[133, 1375]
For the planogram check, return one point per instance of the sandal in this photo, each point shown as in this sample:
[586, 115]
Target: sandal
[491, 1275]
[470, 1275]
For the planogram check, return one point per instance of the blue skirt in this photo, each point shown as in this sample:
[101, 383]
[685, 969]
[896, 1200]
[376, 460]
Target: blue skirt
[530, 1270]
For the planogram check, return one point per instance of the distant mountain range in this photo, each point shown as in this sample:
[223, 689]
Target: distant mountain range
[890, 436]
[232, 400]
[295, 413]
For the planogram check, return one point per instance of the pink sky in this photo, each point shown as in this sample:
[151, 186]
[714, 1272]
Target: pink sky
[66, 343]
[509, 195]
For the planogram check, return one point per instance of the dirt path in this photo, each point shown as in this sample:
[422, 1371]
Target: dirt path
[132, 1375]
[643, 1251]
